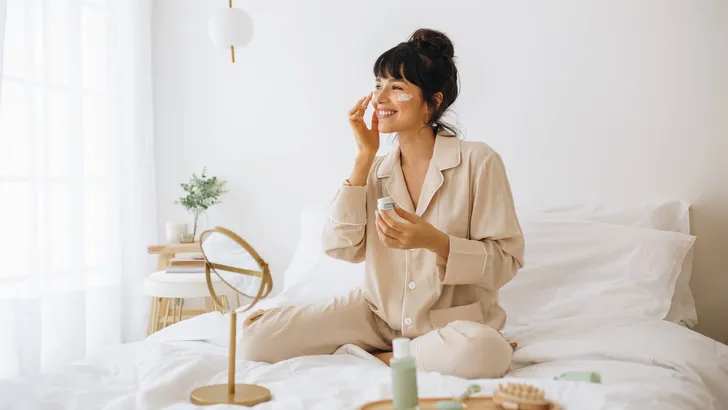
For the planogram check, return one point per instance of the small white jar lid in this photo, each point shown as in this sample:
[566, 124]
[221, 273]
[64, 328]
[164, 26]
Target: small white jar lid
[385, 203]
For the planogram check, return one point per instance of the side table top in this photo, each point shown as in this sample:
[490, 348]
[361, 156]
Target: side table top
[174, 248]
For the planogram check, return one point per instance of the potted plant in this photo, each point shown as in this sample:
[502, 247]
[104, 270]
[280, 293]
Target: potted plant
[202, 192]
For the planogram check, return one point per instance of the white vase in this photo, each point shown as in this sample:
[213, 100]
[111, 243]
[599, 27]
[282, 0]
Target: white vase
[175, 230]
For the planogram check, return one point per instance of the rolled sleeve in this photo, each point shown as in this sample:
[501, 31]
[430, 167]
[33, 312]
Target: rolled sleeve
[494, 252]
[345, 228]
[465, 263]
[349, 206]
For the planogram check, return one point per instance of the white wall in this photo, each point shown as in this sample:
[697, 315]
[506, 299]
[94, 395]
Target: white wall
[586, 101]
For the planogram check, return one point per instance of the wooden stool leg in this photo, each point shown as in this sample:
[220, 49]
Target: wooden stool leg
[174, 310]
[152, 309]
[166, 311]
[157, 314]
[157, 311]
[181, 306]
[209, 305]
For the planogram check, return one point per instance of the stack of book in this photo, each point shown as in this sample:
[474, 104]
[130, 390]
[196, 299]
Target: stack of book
[187, 262]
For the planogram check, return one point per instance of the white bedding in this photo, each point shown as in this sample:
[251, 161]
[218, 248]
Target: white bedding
[644, 363]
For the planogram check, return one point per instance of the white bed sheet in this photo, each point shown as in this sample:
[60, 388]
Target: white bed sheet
[644, 363]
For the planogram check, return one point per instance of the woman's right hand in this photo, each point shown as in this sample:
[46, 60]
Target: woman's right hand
[367, 140]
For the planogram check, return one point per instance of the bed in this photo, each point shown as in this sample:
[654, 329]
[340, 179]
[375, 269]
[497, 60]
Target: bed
[605, 290]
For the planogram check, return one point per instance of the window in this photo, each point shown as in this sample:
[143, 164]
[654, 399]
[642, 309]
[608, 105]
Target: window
[55, 167]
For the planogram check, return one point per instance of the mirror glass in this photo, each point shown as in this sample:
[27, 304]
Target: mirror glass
[232, 263]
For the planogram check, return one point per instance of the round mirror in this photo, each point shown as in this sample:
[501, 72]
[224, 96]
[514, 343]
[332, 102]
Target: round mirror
[236, 264]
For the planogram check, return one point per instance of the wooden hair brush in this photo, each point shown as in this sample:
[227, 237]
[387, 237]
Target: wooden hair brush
[521, 397]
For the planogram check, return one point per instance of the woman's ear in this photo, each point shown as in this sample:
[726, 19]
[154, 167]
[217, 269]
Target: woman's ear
[438, 99]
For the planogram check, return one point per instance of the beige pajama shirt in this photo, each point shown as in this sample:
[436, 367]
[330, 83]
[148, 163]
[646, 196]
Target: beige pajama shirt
[448, 307]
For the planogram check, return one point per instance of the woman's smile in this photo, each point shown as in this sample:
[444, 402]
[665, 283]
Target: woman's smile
[382, 114]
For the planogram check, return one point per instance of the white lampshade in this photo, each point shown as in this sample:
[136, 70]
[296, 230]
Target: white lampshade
[231, 27]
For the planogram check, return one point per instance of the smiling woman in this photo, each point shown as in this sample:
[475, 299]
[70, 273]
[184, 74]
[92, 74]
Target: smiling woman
[421, 72]
[435, 277]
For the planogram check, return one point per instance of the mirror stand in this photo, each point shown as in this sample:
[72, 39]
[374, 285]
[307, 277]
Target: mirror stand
[232, 393]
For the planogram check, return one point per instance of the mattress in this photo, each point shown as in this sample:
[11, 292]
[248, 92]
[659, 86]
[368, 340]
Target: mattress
[644, 364]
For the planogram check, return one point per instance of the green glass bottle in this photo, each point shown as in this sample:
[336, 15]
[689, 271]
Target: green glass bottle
[404, 376]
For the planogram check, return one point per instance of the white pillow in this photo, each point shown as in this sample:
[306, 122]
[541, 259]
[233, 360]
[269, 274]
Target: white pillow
[668, 216]
[329, 277]
[312, 275]
[309, 250]
[593, 269]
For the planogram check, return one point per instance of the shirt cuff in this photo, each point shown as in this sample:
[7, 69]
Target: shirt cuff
[349, 206]
[465, 263]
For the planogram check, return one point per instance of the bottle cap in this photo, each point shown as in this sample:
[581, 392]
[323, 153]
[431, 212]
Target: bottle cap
[385, 203]
[401, 347]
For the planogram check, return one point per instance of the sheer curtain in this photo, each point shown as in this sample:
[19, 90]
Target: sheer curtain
[76, 179]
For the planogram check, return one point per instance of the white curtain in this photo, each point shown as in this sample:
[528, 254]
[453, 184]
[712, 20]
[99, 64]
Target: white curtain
[3, 7]
[76, 179]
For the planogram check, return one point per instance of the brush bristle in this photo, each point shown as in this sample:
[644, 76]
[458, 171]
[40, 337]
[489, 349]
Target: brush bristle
[522, 393]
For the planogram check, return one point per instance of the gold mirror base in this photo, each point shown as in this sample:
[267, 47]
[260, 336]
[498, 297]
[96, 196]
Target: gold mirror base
[245, 394]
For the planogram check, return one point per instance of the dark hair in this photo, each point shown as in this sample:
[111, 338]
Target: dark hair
[426, 60]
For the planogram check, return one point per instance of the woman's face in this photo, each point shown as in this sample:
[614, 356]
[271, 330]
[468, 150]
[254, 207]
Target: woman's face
[399, 105]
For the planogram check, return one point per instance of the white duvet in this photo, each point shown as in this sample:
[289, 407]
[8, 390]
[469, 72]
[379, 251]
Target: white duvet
[644, 364]
[575, 270]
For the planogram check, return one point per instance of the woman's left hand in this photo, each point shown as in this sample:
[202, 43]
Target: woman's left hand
[414, 234]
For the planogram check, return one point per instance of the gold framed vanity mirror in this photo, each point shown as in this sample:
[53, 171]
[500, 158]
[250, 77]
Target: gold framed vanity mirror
[240, 267]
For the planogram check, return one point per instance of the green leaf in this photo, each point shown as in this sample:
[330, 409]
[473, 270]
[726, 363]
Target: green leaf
[201, 192]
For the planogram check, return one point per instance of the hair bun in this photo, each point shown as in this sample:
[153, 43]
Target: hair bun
[434, 39]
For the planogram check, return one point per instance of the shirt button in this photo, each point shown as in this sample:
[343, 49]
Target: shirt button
[412, 285]
[408, 321]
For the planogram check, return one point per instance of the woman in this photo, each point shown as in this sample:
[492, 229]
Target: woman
[435, 277]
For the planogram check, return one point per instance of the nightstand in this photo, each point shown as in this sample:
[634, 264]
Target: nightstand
[169, 290]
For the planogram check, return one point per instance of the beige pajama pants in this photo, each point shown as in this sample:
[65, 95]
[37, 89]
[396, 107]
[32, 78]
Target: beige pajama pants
[462, 348]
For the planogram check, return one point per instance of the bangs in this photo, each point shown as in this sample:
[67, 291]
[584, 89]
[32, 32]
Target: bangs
[401, 62]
